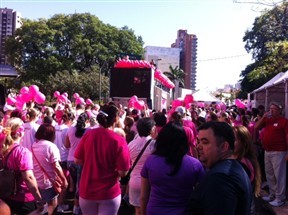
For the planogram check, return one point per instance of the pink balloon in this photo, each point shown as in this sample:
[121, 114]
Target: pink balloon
[19, 98]
[131, 103]
[89, 102]
[26, 97]
[76, 96]
[56, 94]
[177, 103]
[33, 90]
[134, 98]
[188, 106]
[11, 101]
[80, 100]
[62, 98]
[139, 104]
[20, 105]
[24, 90]
[39, 98]
[188, 99]
[201, 104]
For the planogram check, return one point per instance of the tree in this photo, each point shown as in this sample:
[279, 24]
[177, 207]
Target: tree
[267, 41]
[176, 75]
[69, 44]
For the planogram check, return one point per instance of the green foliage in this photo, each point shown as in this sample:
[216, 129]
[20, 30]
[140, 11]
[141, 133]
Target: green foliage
[66, 52]
[268, 43]
[176, 74]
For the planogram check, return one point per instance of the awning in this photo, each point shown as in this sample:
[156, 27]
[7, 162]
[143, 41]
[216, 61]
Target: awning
[7, 71]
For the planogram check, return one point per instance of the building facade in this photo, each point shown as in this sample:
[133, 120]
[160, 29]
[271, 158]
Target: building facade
[162, 57]
[9, 21]
[187, 43]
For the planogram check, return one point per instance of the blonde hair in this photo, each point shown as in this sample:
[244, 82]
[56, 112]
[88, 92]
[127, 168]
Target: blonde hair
[10, 132]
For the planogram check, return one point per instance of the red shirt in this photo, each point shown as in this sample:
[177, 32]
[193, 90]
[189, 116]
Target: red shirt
[274, 134]
[103, 152]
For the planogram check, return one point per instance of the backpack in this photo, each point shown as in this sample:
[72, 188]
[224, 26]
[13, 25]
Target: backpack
[8, 181]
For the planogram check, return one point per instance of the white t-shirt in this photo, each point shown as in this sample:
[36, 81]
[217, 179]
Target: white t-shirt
[47, 154]
[74, 141]
[60, 137]
[28, 138]
[135, 147]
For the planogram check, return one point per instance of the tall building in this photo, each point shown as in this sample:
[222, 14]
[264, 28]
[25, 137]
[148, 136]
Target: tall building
[9, 21]
[188, 56]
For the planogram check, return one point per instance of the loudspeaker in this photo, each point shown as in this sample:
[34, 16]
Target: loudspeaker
[2, 95]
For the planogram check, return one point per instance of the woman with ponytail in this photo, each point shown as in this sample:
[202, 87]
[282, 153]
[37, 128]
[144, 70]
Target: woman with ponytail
[74, 135]
[105, 158]
[27, 197]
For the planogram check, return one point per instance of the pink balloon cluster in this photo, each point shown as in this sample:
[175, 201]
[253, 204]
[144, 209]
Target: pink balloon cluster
[158, 75]
[132, 64]
[187, 102]
[61, 98]
[135, 103]
[26, 95]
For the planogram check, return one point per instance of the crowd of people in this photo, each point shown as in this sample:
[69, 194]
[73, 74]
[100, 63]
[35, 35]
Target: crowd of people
[201, 160]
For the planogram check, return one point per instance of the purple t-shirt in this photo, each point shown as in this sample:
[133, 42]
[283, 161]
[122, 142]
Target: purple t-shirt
[170, 194]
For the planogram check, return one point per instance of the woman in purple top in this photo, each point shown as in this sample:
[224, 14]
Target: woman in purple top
[169, 175]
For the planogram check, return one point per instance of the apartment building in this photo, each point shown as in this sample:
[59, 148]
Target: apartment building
[9, 21]
[187, 43]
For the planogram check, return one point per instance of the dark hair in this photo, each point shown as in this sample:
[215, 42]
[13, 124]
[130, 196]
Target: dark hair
[172, 144]
[176, 117]
[45, 132]
[48, 119]
[16, 113]
[144, 126]
[107, 115]
[31, 114]
[222, 131]
[81, 124]
[135, 114]
[68, 115]
[160, 119]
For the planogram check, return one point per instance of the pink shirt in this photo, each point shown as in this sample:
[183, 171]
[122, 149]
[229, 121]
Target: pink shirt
[21, 159]
[103, 152]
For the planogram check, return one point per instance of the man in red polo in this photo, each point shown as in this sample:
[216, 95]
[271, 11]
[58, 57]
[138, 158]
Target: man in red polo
[275, 144]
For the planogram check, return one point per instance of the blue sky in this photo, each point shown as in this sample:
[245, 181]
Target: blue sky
[219, 25]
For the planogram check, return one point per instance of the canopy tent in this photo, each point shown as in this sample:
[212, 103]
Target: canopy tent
[204, 96]
[276, 89]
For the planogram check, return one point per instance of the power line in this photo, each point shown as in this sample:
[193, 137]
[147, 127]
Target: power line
[223, 58]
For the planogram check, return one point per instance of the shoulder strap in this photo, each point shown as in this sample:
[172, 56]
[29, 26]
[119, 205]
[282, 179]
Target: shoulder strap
[139, 156]
[8, 155]
[43, 170]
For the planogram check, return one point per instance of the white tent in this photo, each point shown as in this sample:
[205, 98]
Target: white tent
[204, 96]
[275, 89]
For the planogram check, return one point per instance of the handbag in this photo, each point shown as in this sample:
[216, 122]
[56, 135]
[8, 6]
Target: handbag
[57, 183]
[8, 180]
[124, 180]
